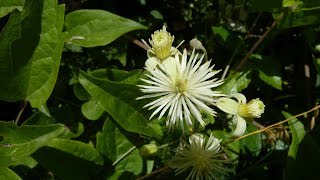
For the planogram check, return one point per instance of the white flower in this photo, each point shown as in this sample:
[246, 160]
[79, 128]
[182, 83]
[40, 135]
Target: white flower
[241, 109]
[202, 157]
[161, 50]
[183, 92]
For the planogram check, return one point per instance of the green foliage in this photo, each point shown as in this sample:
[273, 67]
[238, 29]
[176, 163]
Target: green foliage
[114, 145]
[7, 6]
[20, 142]
[91, 110]
[6, 173]
[298, 133]
[90, 28]
[69, 76]
[31, 46]
[119, 100]
[269, 71]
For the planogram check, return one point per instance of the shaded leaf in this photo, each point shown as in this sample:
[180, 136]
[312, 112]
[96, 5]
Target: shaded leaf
[89, 28]
[232, 149]
[30, 50]
[119, 100]
[252, 143]
[116, 147]
[236, 82]
[221, 32]
[269, 71]
[265, 5]
[66, 165]
[20, 142]
[72, 131]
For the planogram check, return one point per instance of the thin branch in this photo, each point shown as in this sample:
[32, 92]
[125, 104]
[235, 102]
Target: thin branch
[24, 104]
[226, 69]
[153, 173]
[256, 45]
[276, 124]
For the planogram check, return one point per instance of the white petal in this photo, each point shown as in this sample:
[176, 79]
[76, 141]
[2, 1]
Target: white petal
[240, 126]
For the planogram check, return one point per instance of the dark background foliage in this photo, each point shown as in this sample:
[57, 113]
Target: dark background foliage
[283, 71]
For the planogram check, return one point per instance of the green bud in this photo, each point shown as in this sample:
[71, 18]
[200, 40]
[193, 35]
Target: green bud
[148, 150]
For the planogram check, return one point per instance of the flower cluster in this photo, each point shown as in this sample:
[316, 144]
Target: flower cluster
[182, 88]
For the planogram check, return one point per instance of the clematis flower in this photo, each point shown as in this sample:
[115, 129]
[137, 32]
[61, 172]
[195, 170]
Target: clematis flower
[161, 50]
[182, 93]
[241, 110]
[201, 156]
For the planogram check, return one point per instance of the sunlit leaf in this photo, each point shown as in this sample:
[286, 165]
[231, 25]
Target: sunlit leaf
[89, 28]
[7, 6]
[119, 100]
[20, 142]
[91, 110]
[298, 133]
[6, 173]
[30, 50]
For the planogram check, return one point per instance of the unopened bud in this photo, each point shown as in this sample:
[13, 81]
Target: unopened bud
[195, 43]
[148, 150]
[254, 109]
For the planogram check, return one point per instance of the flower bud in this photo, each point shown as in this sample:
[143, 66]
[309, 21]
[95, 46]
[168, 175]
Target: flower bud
[161, 42]
[148, 150]
[195, 43]
[254, 108]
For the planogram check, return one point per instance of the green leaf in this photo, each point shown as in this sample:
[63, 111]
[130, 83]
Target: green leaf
[291, 3]
[119, 100]
[27, 161]
[122, 175]
[269, 71]
[90, 28]
[66, 164]
[78, 149]
[305, 163]
[91, 110]
[30, 50]
[221, 32]
[20, 142]
[71, 131]
[236, 82]
[298, 133]
[131, 77]
[232, 149]
[6, 173]
[7, 6]
[252, 143]
[113, 144]
[302, 17]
